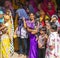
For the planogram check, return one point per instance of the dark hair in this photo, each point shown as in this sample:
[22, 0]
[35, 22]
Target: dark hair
[31, 13]
[20, 5]
[42, 29]
[54, 27]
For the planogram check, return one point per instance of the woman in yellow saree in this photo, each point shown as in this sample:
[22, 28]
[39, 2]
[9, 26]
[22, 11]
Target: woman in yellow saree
[6, 36]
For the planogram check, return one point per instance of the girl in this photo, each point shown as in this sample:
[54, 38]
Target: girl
[42, 42]
[53, 44]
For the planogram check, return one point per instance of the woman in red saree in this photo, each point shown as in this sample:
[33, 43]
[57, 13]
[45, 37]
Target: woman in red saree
[49, 7]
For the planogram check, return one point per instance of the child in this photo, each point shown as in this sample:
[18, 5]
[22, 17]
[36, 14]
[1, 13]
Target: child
[42, 42]
[53, 44]
[22, 37]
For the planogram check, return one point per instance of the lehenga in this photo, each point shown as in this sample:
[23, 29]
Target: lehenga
[5, 42]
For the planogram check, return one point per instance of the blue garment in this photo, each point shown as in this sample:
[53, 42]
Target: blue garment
[1, 12]
[57, 23]
[22, 13]
[31, 9]
[1, 20]
[21, 43]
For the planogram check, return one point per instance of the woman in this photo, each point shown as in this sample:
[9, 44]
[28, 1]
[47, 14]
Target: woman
[43, 17]
[1, 22]
[8, 5]
[6, 36]
[33, 53]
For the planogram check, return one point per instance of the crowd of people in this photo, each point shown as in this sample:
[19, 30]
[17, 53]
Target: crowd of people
[37, 28]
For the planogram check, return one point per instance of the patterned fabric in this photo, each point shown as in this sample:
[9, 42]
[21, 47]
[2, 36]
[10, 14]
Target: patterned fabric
[54, 40]
[12, 33]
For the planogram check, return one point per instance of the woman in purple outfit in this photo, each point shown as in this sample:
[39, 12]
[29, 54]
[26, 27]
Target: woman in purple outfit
[32, 29]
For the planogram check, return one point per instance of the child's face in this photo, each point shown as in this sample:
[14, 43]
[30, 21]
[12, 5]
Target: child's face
[42, 32]
[46, 22]
[54, 19]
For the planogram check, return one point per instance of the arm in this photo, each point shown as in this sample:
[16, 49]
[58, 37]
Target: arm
[1, 28]
[51, 44]
[15, 31]
[16, 20]
[29, 30]
[24, 23]
[32, 31]
[39, 43]
[35, 30]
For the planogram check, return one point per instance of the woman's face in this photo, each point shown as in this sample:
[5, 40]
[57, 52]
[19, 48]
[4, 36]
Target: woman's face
[42, 13]
[6, 3]
[7, 12]
[39, 6]
[42, 32]
[32, 16]
[27, 3]
[58, 13]
[49, 6]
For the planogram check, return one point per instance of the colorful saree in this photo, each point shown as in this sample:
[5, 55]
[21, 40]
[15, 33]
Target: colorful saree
[6, 41]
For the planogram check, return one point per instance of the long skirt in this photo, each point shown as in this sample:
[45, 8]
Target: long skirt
[5, 46]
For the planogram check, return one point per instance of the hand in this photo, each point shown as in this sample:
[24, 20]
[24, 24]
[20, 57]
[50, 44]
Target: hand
[37, 38]
[23, 19]
[39, 45]
[46, 36]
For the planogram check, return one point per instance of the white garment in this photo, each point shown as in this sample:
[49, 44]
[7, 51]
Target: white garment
[57, 23]
[24, 33]
[54, 39]
[41, 40]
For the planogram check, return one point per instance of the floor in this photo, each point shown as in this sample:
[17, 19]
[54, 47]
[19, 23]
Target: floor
[16, 56]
